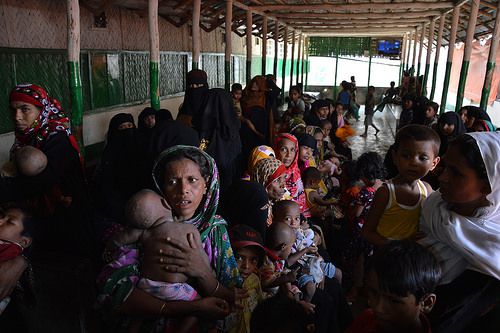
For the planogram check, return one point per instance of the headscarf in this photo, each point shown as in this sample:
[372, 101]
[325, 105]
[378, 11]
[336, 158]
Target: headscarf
[254, 98]
[212, 227]
[479, 114]
[148, 111]
[460, 241]
[115, 122]
[257, 154]
[293, 181]
[194, 97]
[50, 121]
[296, 123]
[268, 170]
[451, 118]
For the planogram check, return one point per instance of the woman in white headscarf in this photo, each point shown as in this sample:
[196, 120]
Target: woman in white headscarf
[462, 226]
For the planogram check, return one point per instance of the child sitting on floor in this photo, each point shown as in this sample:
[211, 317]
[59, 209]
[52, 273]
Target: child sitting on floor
[150, 222]
[401, 280]
[397, 203]
[275, 276]
[16, 234]
[431, 114]
[312, 267]
[249, 252]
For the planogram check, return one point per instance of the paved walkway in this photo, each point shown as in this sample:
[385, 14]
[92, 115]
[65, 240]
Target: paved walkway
[385, 121]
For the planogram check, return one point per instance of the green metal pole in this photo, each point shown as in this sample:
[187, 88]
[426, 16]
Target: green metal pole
[438, 53]
[433, 86]
[424, 84]
[227, 75]
[154, 91]
[490, 65]
[446, 84]
[75, 85]
[451, 48]
[471, 27]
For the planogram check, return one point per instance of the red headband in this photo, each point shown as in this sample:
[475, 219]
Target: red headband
[281, 170]
[19, 96]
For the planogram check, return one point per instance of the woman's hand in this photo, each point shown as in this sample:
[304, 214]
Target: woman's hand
[10, 272]
[190, 260]
[212, 308]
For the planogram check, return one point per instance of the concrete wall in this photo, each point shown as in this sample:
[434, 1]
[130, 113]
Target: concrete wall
[43, 24]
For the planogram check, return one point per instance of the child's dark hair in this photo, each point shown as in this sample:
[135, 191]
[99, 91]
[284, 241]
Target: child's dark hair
[371, 88]
[405, 267]
[337, 104]
[418, 133]
[470, 151]
[295, 88]
[311, 174]
[350, 170]
[433, 105]
[371, 166]
[325, 122]
[236, 87]
[279, 314]
[282, 204]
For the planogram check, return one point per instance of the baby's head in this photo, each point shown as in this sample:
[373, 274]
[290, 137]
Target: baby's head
[236, 91]
[145, 208]
[280, 239]
[307, 147]
[248, 249]
[287, 211]
[371, 167]
[30, 161]
[326, 127]
[17, 224]
[311, 178]
[401, 279]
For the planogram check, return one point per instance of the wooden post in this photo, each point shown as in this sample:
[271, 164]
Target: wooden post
[402, 58]
[229, 45]
[154, 54]
[276, 47]
[75, 82]
[302, 61]
[292, 66]
[299, 52]
[413, 62]
[410, 38]
[307, 65]
[451, 49]
[471, 27]
[249, 46]
[421, 49]
[264, 44]
[335, 86]
[196, 33]
[430, 42]
[369, 63]
[490, 66]
[283, 67]
[436, 58]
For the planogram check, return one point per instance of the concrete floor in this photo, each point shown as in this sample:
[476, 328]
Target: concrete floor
[385, 121]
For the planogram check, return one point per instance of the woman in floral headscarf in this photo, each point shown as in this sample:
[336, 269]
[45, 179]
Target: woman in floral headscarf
[270, 173]
[188, 179]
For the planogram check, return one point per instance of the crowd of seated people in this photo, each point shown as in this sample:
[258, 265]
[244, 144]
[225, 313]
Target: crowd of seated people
[234, 218]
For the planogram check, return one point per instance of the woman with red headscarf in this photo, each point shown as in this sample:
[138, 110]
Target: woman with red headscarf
[287, 151]
[59, 192]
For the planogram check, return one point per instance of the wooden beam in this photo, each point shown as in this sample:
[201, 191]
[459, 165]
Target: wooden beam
[258, 12]
[357, 6]
[196, 33]
[402, 15]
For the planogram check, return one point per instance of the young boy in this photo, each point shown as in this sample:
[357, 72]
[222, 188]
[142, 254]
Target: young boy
[401, 280]
[237, 92]
[249, 252]
[369, 106]
[316, 205]
[280, 239]
[431, 111]
[395, 211]
[296, 101]
[16, 234]
[150, 222]
[304, 252]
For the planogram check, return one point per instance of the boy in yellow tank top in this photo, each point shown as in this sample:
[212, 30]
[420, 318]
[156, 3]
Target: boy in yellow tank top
[396, 207]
